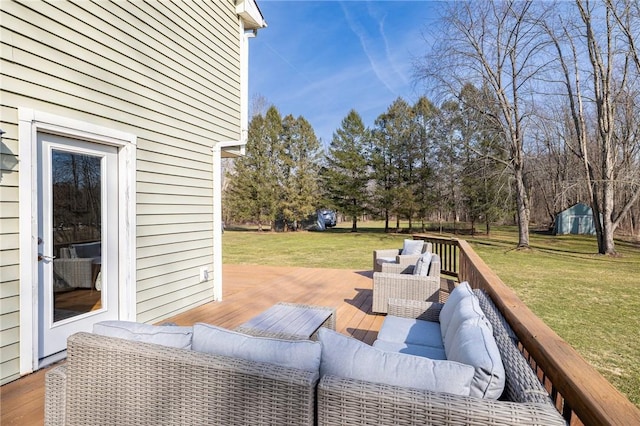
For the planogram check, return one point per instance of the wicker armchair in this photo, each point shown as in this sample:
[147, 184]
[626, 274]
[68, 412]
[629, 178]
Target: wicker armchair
[396, 281]
[107, 380]
[524, 401]
[386, 255]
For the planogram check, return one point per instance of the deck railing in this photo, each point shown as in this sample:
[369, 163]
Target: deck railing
[580, 392]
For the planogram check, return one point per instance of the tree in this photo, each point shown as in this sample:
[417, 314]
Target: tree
[345, 174]
[497, 44]
[254, 189]
[395, 161]
[300, 174]
[608, 148]
[483, 158]
[425, 124]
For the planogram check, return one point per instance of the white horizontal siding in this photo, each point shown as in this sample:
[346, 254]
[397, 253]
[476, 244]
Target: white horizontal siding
[167, 72]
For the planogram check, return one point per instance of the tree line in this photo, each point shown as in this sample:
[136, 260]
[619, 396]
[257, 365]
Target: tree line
[532, 107]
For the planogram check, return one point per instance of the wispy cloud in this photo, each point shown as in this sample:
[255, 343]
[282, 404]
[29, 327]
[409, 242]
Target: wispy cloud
[369, 28]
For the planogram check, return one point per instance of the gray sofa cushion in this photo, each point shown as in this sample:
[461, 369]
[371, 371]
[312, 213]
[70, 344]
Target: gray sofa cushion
[299, 354]
[409, 330]
[467, 309]
[473, 344]
[346, 357]
[410, 349]
[462, 291]
[166, 335]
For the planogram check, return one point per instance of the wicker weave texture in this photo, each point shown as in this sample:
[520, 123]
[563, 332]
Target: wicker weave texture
[353, 402]
[55, 396]
[76, 273]
[115, 382]
[417, 309]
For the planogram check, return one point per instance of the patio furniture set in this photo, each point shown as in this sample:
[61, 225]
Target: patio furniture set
[433, 363]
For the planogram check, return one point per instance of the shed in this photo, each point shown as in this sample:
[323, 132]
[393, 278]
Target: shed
[577, 219]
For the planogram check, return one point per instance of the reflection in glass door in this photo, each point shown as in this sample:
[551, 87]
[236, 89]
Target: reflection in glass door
[76, 233]
[77, 223]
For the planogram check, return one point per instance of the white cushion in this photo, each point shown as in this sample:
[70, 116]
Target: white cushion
[423, 264]
[343, 356]
[299, 354]
[474, 344]
[412, 247]
[461, 291]
[166, 335]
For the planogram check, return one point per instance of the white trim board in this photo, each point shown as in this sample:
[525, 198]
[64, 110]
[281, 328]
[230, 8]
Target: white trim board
[30, 123]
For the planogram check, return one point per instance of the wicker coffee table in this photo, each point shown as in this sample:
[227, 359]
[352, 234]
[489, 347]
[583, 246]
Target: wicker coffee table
[290, 321]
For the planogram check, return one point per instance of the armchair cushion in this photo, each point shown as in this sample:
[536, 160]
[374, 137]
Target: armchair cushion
[423, 264]
[299, 354]
[412, 247]
[343, 356]
[166, 335]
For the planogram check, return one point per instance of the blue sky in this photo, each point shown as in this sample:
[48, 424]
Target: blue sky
[322, 58]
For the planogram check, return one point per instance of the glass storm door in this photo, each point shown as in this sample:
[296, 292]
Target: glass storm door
[77, 239]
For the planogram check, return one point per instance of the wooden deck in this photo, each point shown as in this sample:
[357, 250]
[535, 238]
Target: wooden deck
[248, 290]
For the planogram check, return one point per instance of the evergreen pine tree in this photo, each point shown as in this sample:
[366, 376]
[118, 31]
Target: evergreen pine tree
[346, 171]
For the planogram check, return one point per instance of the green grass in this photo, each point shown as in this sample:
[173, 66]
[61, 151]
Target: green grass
[591, 301]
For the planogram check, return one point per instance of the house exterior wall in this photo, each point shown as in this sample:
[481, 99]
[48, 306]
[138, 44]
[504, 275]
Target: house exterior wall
[167, 72]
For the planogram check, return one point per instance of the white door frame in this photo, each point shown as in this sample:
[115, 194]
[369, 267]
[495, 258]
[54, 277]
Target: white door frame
[30, 123]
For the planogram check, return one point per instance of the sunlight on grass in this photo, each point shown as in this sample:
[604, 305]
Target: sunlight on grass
[591, 301]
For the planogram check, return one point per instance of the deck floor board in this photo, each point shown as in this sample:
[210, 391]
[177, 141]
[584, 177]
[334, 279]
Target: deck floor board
[248, 290]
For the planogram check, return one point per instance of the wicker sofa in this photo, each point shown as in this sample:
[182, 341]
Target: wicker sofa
[524, 401]
[108, 380]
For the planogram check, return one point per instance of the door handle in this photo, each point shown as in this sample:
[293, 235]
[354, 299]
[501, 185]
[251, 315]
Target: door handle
[42, 257]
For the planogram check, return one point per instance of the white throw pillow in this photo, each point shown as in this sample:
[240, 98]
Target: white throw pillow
[417, 269]
[412, 247]
[299, 354]
[346, 357]
[166, 335]
[426, 264]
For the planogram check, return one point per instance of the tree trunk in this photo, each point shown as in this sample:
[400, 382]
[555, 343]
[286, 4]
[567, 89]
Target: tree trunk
[522, 208]
[386, 221]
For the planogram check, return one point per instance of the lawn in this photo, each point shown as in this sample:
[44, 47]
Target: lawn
[591, 301]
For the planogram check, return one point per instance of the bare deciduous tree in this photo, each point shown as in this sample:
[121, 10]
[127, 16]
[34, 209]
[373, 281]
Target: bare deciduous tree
[601, 44]
[497, 45]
